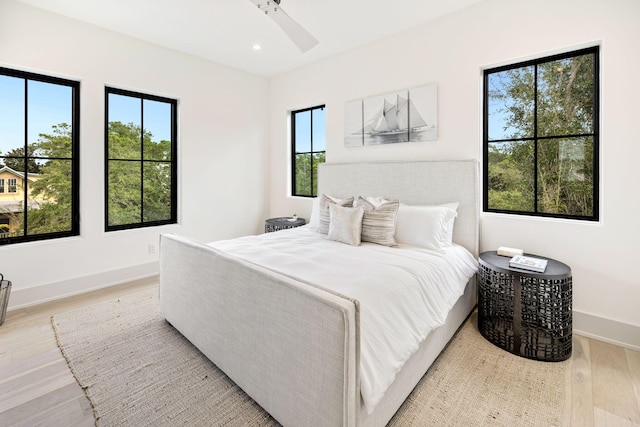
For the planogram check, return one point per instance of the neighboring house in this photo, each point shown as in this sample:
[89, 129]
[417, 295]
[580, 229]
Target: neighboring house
[12, 199]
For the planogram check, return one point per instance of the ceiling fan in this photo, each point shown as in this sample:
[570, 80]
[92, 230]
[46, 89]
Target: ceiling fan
[301, 37]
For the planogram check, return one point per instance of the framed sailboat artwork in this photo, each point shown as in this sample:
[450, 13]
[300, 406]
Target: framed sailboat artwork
[405, 116]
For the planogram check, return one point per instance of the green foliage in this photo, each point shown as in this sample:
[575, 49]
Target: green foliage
[50, 201]
[15, 160]
[139, 171]
[511, 178]
[306, 173]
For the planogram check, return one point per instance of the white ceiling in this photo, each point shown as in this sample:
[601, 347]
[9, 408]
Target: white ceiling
[224, 31]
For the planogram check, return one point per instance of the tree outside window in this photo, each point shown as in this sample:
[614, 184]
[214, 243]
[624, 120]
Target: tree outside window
[541, 137]
[308, 149]
[141, 176]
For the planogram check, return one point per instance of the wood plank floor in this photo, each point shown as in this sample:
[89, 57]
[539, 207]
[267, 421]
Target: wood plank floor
[38, 389]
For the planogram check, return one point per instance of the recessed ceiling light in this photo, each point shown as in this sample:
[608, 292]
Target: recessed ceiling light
[256, 46]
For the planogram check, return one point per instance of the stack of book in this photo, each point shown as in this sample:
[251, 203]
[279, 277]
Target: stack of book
[528, 263]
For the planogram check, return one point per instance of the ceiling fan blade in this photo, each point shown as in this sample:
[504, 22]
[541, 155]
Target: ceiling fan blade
[301, 37]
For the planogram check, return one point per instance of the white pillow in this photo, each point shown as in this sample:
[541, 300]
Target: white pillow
[346, 224]
[325, 202]
[424, 226]
[314, 219]
[451, 223]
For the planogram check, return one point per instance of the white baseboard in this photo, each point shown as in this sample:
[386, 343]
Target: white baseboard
[20, 298]
[607, 330]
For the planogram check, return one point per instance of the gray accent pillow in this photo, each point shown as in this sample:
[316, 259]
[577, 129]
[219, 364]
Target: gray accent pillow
[346, 224]
[379, 222]
[325, 201]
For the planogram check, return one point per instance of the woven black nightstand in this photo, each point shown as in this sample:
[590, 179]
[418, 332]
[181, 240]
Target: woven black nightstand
[275, 224]
[525, 312]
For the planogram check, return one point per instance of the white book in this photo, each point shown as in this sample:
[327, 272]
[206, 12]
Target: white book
[528, 263]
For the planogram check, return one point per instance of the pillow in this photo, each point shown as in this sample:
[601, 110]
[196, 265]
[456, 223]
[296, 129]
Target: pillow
[424, 226]
[379, 222]
[376, 201]
[346, 224]
[451, 223]
[314, 219]
[323, 217]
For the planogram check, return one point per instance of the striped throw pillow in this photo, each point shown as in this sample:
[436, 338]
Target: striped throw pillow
[325, 201]
[379, 222]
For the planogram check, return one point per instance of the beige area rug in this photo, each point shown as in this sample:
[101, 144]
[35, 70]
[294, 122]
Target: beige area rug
[139, 371]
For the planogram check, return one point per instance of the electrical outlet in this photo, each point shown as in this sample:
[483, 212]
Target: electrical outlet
[152, 248]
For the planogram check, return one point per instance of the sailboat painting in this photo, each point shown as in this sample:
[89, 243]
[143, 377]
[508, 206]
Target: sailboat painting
[395, 117]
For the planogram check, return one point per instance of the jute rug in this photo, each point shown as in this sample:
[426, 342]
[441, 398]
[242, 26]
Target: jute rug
[138, 371]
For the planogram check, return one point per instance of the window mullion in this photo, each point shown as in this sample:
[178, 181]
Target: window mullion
[25, 196]
[141, 161]
[535, 139]
[311, 152]
[294, 157]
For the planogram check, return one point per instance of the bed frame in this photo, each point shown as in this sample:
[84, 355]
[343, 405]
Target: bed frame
[291, 346]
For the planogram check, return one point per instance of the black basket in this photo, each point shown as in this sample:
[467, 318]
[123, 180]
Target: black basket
[5, 288]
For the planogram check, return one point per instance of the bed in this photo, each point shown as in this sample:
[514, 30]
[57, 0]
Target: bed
[293, 343]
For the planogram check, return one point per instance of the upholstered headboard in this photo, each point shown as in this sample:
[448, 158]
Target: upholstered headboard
[413, 183]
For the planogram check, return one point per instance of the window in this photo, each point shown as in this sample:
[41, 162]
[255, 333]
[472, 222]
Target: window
[13, 185]
[308, 148]
[141, 175]
[39, 163]
[541, 140]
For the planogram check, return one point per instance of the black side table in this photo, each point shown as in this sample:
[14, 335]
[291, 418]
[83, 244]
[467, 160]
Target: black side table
[275, 224]
[525, 312]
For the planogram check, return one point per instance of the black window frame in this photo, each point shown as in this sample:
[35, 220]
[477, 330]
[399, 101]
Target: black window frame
[173, 219]
[294, 153]
[595, 50]
[74, 229]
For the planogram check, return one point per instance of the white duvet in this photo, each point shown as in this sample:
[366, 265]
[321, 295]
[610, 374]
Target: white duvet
[404, 292]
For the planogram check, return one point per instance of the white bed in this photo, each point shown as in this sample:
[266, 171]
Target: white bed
[292, 328]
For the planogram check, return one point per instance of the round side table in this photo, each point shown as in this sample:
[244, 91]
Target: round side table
[525, 312]
[275, 224]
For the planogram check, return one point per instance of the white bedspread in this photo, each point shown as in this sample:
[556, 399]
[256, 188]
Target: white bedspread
[404, 292]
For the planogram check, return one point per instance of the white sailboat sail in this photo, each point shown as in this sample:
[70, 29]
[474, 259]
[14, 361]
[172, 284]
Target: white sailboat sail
[415, 119]
[391, 114]
[403, 115]
[394, 117]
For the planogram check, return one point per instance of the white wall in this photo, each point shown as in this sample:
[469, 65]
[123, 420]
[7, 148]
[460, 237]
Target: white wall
[222, 137]
[451, 52]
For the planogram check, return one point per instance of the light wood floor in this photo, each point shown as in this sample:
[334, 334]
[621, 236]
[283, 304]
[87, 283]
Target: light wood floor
[38, 389]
